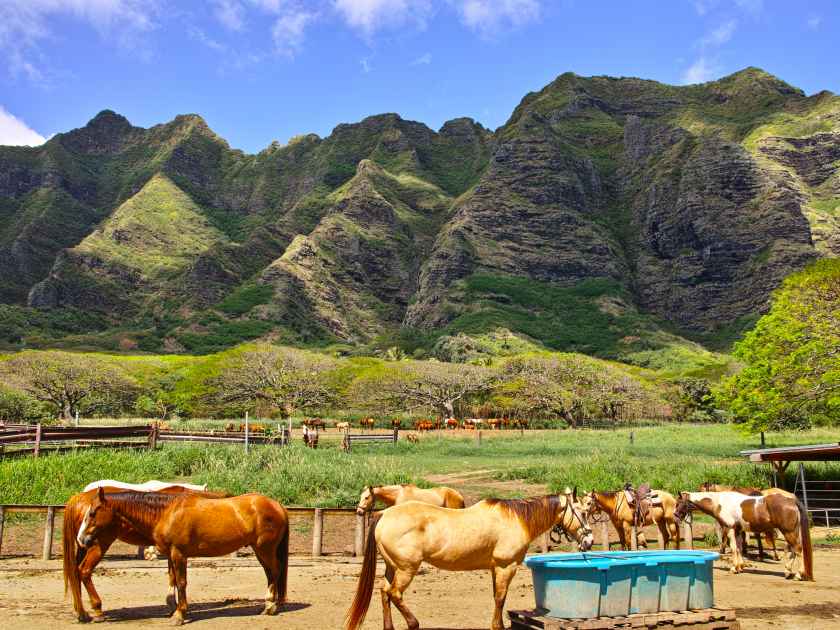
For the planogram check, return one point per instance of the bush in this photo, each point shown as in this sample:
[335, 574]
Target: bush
[19, 408]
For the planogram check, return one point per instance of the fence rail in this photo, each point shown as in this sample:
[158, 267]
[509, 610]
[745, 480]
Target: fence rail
[319, 516]
[31, 440]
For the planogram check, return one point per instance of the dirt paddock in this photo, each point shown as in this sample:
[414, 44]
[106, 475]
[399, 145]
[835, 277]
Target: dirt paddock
[226, 593]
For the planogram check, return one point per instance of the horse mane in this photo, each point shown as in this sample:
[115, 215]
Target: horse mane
[144, 506]
[536, 514]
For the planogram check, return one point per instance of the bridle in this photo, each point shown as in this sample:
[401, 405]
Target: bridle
[561, 531]
[684, 509]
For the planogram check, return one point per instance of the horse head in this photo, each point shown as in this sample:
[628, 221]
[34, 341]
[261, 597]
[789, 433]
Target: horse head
[573, 521]
[684, 505]
[99, 515]
[366, 501]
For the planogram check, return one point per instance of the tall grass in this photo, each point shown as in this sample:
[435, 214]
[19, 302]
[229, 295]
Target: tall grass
[672, 457]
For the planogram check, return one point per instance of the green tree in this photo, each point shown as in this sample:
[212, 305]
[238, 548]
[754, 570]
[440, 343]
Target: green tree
[791, 374]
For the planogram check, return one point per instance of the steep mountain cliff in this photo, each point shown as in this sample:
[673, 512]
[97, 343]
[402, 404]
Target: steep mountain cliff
[604, 212]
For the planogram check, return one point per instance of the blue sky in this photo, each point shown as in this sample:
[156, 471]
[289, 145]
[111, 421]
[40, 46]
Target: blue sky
[264, 70]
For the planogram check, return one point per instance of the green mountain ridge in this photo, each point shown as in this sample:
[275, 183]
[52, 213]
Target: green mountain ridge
[643, 210]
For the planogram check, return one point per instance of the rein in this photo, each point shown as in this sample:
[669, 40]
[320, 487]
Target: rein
[560, 529]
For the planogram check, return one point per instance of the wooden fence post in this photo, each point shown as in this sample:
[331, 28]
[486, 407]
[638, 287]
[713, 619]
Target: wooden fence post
[396, 435]
[359, 539]
[2, 523]
[49, 527]
[478, 437]
[37, 440]
[605, 535]
[688, 534]
[318, 533]
[153, 436]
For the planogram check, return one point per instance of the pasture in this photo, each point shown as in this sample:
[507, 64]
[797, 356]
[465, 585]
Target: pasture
[506, 463]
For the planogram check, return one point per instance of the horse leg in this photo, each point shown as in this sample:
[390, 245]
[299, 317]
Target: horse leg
[501, 581]
[387, 620]
[92, 557]
[673, 532]
[793, 566]
[179, 565]
[770, 539]
[267, 555]
[736, 564]
[400, 582]
[625, 534]
[171, 598]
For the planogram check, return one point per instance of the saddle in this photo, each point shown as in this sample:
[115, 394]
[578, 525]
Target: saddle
[640, 500]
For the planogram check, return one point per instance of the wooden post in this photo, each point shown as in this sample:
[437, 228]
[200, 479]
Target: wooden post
[359, 540]
[77, 418]
[396, 435]
[2, 523]
[153, 436]
[804, 487]
[478, 437]
[246, 432]
[37, 440]
[634, 538]
[318, 532]
[631, 437]
[763, 443]
[49, 526]
[544, 542]
[604, 535]
[688, 535]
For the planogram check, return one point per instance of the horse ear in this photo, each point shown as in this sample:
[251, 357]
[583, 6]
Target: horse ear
[574, 494]
[567, 491]
[101, 494]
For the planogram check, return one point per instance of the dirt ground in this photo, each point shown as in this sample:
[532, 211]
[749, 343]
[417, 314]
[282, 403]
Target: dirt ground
[225, 594]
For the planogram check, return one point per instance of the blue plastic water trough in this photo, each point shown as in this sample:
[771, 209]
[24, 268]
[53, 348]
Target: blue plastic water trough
[618, 583]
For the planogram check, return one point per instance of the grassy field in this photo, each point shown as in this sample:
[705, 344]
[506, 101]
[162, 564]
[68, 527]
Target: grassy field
[673, 457]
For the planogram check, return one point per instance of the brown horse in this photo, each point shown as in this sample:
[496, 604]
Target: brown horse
[737, 513]
[188, 525]
[80, 562]
[396, 494]
[621, 515]
[493, 534]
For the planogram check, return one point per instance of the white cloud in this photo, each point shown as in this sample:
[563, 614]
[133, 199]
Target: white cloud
[369, 16]
[720, 35]
[423, 60]
[13, 131]
[489, 16]
[230, 13]
[700, 71]
[289, 31]
[814, 22]
[24, 26]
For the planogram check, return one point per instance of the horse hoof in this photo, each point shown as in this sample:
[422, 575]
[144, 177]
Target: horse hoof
[270, 610]
[797, 577]
[83, 618]
[176, 620]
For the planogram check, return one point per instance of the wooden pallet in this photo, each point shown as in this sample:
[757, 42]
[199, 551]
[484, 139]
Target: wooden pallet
[706, 619]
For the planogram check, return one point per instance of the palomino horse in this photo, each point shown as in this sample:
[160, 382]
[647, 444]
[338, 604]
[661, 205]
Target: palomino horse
[621, 515]
[493, 534]
[79, 563]
[769, 536]
[739, 513]
[188, 525]
[394, 495]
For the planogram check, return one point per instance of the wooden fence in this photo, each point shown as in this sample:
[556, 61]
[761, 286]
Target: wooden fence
[319, 515]
[35, 439]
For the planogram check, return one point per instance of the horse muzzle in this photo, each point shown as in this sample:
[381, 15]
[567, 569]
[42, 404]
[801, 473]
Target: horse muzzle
[85, 541]
[586, 541]
[360, 511]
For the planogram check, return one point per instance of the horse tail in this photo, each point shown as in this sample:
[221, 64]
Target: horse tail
[72, 576]
[364, 589]
[807, 548]
[283, 564]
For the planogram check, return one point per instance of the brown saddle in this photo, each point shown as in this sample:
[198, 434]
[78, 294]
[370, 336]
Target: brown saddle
[640, 500]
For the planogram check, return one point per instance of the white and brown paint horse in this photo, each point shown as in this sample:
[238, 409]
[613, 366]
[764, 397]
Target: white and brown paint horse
[740, 513]
[493, 535]
[622, 514]
[769, 536]
[396, 494]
